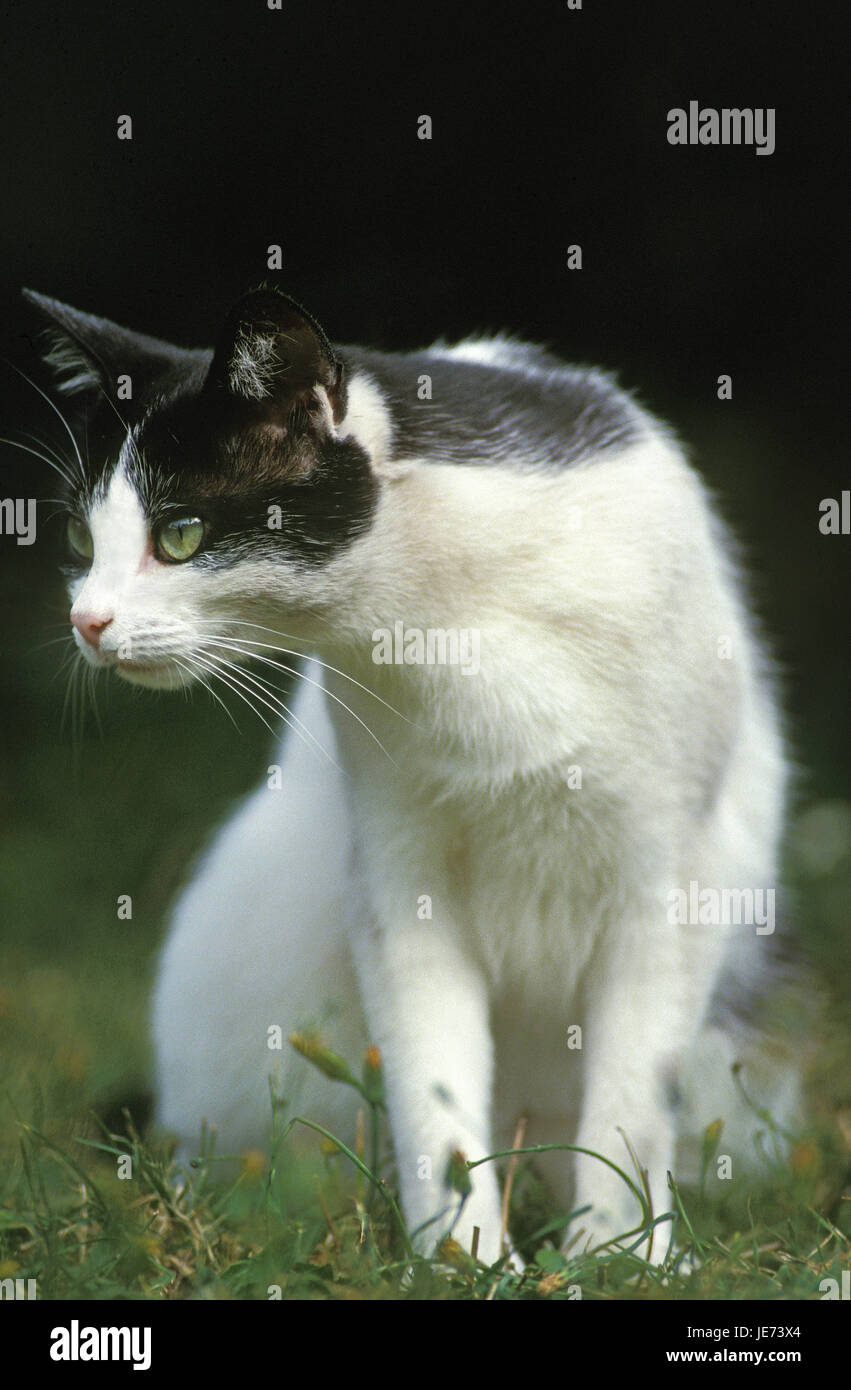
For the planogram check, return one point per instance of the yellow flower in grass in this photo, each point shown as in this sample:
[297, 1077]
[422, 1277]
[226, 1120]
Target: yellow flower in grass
[805, 1159]
[253, 1163]
[457, 1175]
[331, 1064]
[712, 1134]
[73, 1062]
[550, 1283]
[456, 1256]
[373, 1076]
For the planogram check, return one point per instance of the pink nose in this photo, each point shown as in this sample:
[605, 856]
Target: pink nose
[90, 626]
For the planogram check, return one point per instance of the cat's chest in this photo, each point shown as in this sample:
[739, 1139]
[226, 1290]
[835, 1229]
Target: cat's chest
[527, 865]
[516, 875]
[527, 883]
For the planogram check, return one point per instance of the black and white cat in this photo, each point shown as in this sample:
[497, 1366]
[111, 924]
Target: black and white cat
[474, 864]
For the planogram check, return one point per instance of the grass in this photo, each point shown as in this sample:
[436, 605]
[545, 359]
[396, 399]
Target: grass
[100, 1216]
[125, 816]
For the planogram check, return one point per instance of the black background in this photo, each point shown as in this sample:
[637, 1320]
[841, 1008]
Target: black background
[299, 127]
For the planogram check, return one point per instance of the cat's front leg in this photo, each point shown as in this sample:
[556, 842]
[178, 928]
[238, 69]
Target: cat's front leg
[427, 1009]
[645, 999]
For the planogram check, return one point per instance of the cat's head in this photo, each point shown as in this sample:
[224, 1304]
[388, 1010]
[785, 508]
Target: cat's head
[203, 482]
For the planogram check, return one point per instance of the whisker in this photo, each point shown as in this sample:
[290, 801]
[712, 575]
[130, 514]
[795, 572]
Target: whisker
[268, 690]
[293, 671]
[196, 673]
[14, 444]
[92, 687]
[278, 708]
[56, 411]
[199, 673]
[52, 641]
[63, 669]
[72, 708]
[49, 448]
[62, 460]
[226, 681]
[60, 508]
[307, 656]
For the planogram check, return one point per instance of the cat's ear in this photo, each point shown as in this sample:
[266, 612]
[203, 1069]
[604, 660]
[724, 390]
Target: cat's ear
[89, 354]
[274, 365]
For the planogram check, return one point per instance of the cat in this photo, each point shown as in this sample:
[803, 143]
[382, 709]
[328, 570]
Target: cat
[474, 867]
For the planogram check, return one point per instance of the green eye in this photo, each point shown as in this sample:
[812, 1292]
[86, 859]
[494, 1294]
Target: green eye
[181, 538]
[79, 538]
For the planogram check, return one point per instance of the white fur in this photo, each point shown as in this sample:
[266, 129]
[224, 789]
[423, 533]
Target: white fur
[366, 420]
[255, 365]
[498, 351]
[601, 593]
[65, 357]
[152, 609]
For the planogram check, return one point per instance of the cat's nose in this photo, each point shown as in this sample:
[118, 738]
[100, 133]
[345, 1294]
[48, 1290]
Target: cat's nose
[90, 625]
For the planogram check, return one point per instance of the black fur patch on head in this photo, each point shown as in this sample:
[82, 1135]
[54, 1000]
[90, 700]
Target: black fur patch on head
[243, 437]
[304, 496]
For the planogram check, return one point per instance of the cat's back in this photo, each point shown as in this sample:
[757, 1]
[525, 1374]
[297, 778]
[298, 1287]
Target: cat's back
[499, 400]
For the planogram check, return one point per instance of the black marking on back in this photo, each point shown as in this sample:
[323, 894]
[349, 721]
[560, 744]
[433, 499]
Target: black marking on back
[540, 414]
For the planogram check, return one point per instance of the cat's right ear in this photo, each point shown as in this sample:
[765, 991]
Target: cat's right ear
[89, 354]
[274, 366]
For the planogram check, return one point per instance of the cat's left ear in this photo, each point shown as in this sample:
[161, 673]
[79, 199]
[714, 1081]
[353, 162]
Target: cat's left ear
[89, 354]
[274, 365]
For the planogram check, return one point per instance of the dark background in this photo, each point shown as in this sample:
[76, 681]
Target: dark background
[299, 127]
